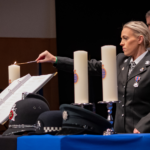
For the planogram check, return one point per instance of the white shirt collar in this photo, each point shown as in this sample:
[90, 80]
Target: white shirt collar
[139, 58]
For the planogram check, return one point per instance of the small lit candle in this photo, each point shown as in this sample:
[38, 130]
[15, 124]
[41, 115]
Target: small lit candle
[13, 72]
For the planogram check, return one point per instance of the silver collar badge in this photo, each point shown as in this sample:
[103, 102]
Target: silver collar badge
[147, 62]
[125, 60]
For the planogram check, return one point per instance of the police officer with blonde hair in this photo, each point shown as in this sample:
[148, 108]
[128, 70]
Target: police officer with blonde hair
[133, 74]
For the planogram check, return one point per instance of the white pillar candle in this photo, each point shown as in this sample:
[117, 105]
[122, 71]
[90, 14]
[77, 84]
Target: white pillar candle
[13, 72]
[81, 77]
[109, 73]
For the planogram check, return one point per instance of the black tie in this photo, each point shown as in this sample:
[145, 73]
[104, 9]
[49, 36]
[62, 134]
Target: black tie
[132, 66]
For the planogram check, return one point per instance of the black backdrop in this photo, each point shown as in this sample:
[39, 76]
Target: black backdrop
[88, 25]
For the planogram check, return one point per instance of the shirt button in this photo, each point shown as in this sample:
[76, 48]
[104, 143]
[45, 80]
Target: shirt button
[122, 105]
[122, 95]
[124, 86]
[122, 115]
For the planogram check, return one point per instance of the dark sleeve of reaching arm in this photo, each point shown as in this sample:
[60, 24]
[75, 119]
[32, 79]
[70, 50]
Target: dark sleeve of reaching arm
[66, 64]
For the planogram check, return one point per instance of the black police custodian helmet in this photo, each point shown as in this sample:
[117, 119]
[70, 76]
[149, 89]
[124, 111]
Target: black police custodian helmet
[49, 122]
[77, 120]
[24, 114]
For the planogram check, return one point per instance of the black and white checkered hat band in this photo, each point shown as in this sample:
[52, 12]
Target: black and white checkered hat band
[51, 129]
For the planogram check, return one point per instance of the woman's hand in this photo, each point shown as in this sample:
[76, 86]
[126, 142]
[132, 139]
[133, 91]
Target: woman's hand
[135, 131]
[46, 57]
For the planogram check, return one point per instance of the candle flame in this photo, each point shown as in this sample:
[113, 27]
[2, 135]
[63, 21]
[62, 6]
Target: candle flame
[15, 62]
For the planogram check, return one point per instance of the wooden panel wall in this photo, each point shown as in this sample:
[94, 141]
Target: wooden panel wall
[28, 49]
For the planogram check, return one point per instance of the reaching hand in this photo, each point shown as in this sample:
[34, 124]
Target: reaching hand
[46, 57]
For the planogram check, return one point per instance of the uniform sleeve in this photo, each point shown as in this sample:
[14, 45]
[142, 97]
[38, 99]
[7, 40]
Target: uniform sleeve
[144, 124]
[66, 64]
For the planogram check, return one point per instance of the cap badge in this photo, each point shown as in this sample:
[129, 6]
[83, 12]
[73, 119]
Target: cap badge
[13, 114]
[125, 60]
[38, 124]
[147, 62]
[103, 72]
[76, 78]
[65, 115]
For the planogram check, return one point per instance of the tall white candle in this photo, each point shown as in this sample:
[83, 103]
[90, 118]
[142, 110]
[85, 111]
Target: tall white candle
[81, 77]
[109, 73]
[13, 72]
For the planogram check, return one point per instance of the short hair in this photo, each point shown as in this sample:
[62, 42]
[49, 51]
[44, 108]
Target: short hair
[140, 28]
[147, 14]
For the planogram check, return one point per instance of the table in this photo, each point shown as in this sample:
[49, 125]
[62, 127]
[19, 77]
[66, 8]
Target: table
[84, 142]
